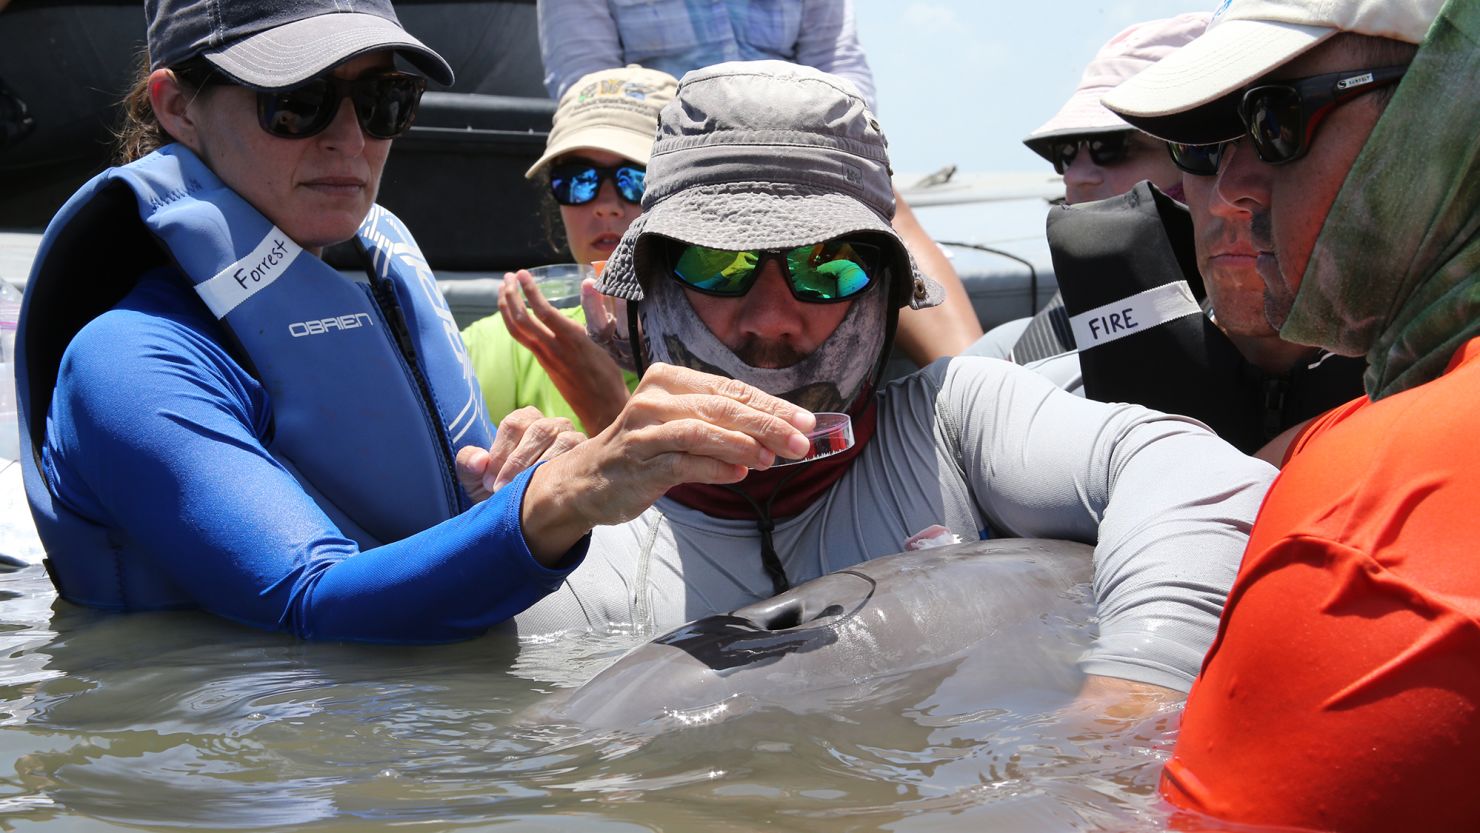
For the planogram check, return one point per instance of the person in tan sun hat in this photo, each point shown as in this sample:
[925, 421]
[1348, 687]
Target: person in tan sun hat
[1348, 129]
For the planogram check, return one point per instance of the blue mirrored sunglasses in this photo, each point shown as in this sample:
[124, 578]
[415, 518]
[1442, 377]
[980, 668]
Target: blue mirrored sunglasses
[577, 183]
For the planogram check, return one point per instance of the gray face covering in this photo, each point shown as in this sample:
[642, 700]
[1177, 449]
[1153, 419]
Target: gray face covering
[828, 379]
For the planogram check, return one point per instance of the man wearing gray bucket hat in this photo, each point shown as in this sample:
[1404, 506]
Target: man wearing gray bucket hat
[1348, 128]
[577, 36]
[211, 416]
[764, 260]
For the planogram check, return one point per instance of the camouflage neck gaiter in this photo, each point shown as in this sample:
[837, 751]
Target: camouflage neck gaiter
[1395, 273]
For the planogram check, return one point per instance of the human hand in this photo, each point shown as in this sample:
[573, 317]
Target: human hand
[606, 324]
[679, 426]
[582, 371]
[1103, 700]
[524, 438]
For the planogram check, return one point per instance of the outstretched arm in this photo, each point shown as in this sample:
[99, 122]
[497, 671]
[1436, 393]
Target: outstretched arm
[680, 426]
[158, 434]
[1167, 504]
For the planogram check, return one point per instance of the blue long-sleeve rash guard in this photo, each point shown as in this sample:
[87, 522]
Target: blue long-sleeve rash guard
[156, 433]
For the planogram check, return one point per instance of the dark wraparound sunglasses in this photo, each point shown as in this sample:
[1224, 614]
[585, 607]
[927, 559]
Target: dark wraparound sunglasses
[840, 269]
[385, 103]
[1281, 118]
[1104, 149]
[577, 183]
[1201, 160]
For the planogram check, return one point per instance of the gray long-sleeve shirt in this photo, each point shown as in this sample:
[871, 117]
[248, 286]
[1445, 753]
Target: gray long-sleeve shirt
[983, 447]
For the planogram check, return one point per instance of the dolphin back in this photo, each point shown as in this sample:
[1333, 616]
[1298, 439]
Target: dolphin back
[1016, 612]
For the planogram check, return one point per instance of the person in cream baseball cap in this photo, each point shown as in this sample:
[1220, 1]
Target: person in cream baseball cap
[1190, 91]
[1355, 145]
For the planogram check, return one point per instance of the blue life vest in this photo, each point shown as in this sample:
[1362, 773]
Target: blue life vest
[370, 386]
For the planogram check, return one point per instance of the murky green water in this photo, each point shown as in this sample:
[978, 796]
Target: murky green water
[179, 721]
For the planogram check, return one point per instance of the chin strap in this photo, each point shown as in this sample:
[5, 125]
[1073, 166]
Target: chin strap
[770, 560]
[639, 354]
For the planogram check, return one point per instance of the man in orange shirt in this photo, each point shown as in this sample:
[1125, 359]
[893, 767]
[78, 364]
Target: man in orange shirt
[1343, 689]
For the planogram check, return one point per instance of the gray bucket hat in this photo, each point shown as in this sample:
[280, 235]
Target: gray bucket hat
[271, 44]
[764, 155]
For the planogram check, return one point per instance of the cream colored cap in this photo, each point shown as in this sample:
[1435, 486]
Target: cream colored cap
[1249, 39]
[615, 110]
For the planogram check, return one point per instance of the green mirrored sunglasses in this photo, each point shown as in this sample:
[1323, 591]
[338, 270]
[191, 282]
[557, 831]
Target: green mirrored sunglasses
[840, 269]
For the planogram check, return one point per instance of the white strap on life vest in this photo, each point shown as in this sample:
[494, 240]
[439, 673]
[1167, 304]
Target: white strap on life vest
[253, 273]
[1129, 316]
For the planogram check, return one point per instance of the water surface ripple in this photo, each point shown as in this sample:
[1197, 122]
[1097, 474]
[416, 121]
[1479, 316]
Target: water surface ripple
[179, 721]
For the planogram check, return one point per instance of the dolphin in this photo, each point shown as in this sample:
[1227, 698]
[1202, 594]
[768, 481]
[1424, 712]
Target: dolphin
[972, 621]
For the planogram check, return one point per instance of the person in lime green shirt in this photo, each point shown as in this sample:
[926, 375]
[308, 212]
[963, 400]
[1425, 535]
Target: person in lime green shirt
[595, 163]
[511, 376]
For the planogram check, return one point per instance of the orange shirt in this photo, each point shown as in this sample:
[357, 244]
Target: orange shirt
[1343, 689]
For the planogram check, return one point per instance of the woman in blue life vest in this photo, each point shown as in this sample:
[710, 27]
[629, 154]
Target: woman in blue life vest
[217, 419]
[214, 418]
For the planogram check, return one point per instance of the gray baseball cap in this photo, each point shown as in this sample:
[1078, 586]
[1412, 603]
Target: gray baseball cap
[271, 44]
[764, 155]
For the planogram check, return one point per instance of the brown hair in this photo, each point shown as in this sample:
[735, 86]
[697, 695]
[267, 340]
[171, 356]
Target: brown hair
[1371, 51]
[140, 133]
[549, 211]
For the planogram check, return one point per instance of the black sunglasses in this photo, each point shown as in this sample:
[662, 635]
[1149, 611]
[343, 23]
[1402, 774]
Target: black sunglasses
[385, 103]
[1281, 118]
[834, 270]
[1200, 160]
[1104, 149]
[577, 183]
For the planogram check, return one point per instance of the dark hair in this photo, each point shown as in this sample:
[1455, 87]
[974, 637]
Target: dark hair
[550, 213]
[1371, 51]
[140, 133]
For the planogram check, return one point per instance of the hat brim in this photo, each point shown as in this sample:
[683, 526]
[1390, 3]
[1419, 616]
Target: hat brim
[734, 216]
[295, 52]
[1081, 115]
[626, 143]
[1168, 99]
[1042, 143]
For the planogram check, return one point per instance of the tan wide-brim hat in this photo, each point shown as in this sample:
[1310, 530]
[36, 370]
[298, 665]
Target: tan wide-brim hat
[614, 110]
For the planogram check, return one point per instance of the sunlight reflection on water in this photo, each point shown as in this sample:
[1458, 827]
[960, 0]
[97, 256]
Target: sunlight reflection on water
[178, 720]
